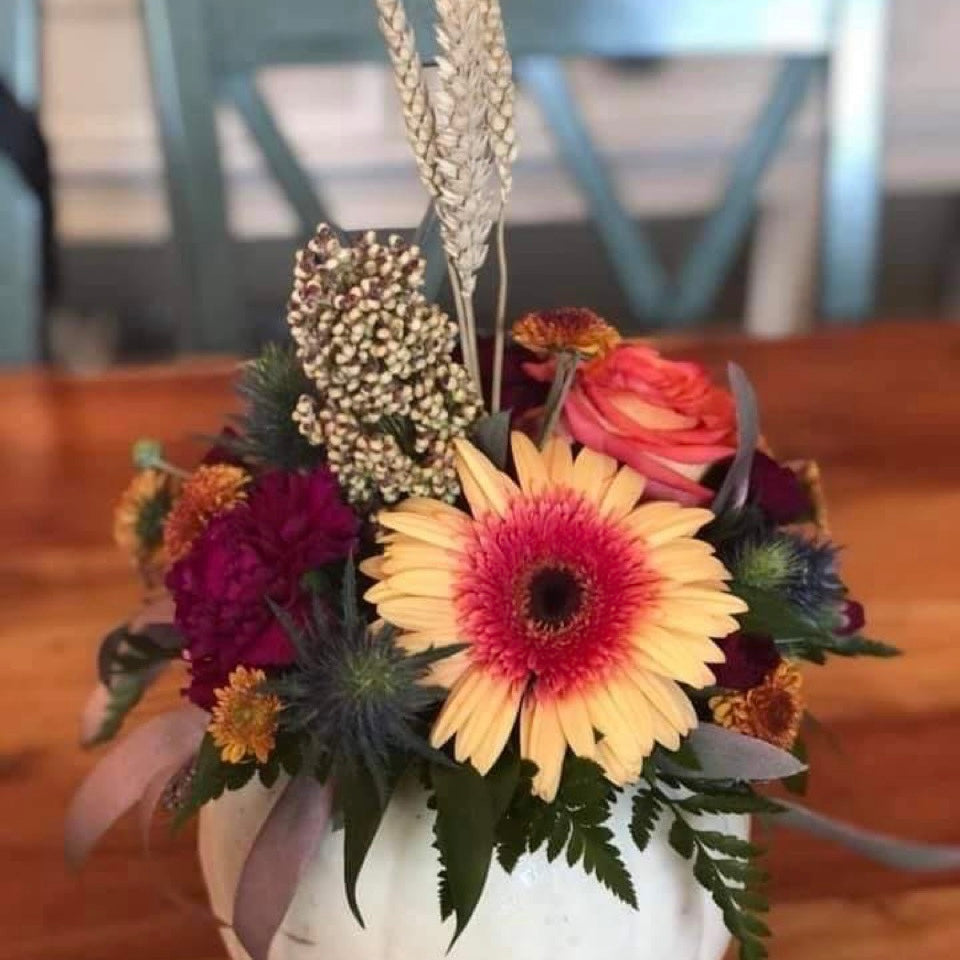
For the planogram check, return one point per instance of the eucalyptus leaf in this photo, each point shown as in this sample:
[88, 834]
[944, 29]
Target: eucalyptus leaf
[736, 484]
[288, 839]
[883, 848]
[727, 755]
[120, 695]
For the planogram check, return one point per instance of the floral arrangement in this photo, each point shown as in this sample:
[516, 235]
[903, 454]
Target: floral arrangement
[533, 575]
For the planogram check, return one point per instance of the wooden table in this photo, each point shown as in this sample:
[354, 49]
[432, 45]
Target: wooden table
[880, 410]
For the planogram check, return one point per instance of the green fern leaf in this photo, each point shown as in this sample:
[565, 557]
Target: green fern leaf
[646, 813]
[724, 865]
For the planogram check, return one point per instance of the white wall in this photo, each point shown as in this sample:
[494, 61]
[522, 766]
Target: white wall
[683, 120]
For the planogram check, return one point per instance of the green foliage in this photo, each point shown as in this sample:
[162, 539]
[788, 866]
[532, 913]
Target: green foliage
[492, 435]
[151, 515]
[734, 526]
[798, 782]
[362, 805]
[128, 663]
[816, 649]
[125, 692]
[464, 837]
[212, 776]
[724, 865]
[356, 696]
[270, 387]
[286, 757]
[646, 813]
[800, 636]
[573, 822]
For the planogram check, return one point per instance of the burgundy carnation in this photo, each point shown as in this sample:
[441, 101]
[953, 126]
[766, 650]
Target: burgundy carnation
[222, 450]
[777, 491]
[750, 658]
[259, 551]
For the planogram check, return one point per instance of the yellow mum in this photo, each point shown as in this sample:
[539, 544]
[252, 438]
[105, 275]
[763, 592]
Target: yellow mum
[244, 721]
[581, 612]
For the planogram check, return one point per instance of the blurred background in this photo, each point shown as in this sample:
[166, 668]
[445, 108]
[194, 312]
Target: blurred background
[184, 137]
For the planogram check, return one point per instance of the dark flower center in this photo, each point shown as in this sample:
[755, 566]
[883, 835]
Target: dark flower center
[778, 712]
[555, 597]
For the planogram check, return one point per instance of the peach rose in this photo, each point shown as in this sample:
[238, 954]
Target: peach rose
[665, 418]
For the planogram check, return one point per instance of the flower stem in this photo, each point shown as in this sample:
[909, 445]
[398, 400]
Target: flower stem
[147, 454]
[472, 335]
[501, 318]
[466, 342]
[559, 391]
[172, 470]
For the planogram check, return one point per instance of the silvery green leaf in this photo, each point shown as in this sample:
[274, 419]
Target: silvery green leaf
[733, 492]
[883, 848]
[727, 755]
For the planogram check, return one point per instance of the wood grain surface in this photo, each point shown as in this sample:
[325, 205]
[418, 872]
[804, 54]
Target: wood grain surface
[879, 408]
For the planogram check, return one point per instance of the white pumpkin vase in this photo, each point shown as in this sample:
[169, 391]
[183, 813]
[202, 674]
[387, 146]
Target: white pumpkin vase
[543, 911]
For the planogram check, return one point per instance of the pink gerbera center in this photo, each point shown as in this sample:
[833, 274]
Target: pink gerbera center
[553, 591]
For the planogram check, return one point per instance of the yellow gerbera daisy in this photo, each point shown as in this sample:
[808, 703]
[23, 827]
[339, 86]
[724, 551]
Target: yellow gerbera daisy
[581, 612]
[244, 721]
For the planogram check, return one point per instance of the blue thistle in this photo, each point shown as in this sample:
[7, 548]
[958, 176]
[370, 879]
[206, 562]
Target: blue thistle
[805, 572]
[355, 694]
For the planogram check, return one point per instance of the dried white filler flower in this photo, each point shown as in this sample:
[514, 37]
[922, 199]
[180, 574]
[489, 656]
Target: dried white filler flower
[389, 397]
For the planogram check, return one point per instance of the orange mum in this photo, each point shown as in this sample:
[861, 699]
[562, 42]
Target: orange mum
[771, 711]
[244, 722]
[581, 612]
[209, 491]
[573, 330]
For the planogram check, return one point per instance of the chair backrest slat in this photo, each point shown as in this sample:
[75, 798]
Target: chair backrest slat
[208, 48]
[247, 34]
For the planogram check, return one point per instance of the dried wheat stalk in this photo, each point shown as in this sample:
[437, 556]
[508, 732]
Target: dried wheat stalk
[501, 94]
[411, 85]
[463, 138]
[467, 201]
[420, 125]
[501, 98]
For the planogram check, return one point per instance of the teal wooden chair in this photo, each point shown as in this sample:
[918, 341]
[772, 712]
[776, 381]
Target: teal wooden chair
[202, 51]
[20, 263]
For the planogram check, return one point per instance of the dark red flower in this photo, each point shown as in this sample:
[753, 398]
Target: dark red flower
[778, 491]
[852, 618]
[223, 449]
[520, 393]
[255, 553]
[750, 658]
